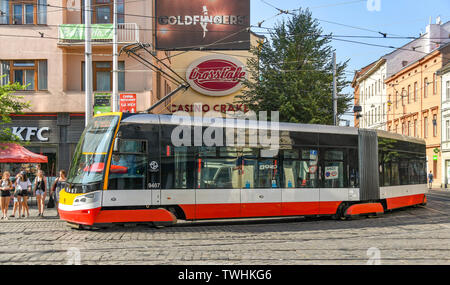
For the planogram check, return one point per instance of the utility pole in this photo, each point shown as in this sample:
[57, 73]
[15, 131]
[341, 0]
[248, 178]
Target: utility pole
[88, 63]
[335, 116]
[115, 89]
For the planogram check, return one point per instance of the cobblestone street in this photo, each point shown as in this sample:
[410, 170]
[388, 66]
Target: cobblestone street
[409, 236]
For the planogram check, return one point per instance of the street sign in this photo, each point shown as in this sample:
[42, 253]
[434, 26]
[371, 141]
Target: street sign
[127, 103]
[102, 103]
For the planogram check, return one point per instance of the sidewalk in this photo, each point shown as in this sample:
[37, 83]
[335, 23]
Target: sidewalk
[48, 213]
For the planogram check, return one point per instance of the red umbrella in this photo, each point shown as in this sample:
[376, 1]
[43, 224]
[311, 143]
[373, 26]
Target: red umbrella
[14, 153]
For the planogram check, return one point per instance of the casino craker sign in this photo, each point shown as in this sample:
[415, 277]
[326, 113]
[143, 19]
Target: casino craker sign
[216, 75]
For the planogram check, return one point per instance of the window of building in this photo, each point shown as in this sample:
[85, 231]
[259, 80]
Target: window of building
[447, 88]
[24, 12]
[396, 99]
[415, 91]
[102, 11]
[435, 125]
[403, 96]
[425, 88]
[408, 93]
[447, 130]
[102, 75]
[434, 84]
[32, 73]
[415, 127]
[425, 127]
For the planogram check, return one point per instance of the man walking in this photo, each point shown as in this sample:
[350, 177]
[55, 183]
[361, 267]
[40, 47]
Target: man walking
[430, 180]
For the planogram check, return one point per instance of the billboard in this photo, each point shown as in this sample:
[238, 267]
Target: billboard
[202, 24]
[127, 103]
[216, 75]
[102, 103]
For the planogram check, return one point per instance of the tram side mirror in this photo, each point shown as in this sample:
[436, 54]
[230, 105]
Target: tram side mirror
[116, 145]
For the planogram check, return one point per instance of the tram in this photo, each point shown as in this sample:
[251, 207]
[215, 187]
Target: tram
[154, 169]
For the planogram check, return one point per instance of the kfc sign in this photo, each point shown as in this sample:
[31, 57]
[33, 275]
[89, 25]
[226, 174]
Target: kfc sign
[216, 75]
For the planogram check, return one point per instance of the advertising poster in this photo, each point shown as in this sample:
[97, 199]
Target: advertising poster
[186, 25]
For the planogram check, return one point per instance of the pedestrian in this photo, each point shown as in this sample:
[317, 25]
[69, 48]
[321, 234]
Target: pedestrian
[17, 199]
[430, 180]
[57, 186]
[5, 187]
[22, 195]
[40, 189]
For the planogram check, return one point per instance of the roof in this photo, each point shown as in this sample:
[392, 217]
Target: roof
[418, 60]
[238, 123]
[14, 153]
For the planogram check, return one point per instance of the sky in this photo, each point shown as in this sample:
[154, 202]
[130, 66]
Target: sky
[404, 18]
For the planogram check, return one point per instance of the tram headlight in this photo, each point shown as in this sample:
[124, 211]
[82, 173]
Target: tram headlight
[86, 199]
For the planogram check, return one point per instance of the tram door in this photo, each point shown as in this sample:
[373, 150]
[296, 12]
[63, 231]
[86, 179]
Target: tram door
[218, 183]
[334, 179]
[261, 189]
[127, 177]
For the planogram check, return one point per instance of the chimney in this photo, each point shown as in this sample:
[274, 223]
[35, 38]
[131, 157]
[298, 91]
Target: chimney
[431, 39]
[404, 63]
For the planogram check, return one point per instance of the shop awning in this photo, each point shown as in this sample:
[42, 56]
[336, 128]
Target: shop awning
[14, 153]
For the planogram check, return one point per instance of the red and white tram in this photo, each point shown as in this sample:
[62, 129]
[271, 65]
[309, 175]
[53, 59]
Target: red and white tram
[127, 169]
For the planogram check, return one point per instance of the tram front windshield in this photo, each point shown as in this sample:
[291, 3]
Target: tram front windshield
[90, 158]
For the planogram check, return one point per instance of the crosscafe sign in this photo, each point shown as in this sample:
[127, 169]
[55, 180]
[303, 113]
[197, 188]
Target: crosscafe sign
[216, 75]
[202, 24]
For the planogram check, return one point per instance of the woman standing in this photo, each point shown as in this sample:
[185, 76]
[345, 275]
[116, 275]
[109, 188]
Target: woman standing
[57, 186]
[5, 187]
[40, 188]
[25, 186]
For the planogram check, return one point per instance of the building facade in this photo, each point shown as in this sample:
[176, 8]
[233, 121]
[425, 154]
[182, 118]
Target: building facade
[43, 47]
[415, 93]
[444, 74]
[369, 80]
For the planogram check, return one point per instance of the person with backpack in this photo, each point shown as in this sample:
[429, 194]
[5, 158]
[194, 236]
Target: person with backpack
[57, 186]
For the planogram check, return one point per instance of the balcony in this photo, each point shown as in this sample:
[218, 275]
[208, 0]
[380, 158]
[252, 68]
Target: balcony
[73, 34]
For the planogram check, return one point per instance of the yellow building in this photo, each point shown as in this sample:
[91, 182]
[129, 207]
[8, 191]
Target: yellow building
[414, 104]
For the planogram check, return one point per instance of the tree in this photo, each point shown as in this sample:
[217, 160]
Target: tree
[10, 104]
[292, 73]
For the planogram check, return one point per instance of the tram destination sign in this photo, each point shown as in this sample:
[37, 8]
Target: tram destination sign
[202, 24]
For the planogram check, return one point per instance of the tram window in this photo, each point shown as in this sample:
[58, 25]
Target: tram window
[353, 164]
[217, 168]
[127, 172]
[300, 168]
[338, 140]
[334, 171]
[177, 166]
[260, 173]
[305, 138]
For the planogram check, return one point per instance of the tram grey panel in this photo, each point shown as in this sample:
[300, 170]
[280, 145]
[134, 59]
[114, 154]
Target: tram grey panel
[368, 165]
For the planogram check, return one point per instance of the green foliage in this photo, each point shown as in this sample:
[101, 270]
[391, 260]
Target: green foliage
[10, 104]
[292, 73]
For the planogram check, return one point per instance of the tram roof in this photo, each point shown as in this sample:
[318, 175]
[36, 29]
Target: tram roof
[238, 123]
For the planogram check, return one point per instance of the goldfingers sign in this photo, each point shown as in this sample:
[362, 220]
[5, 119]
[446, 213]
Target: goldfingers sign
[202, 24]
